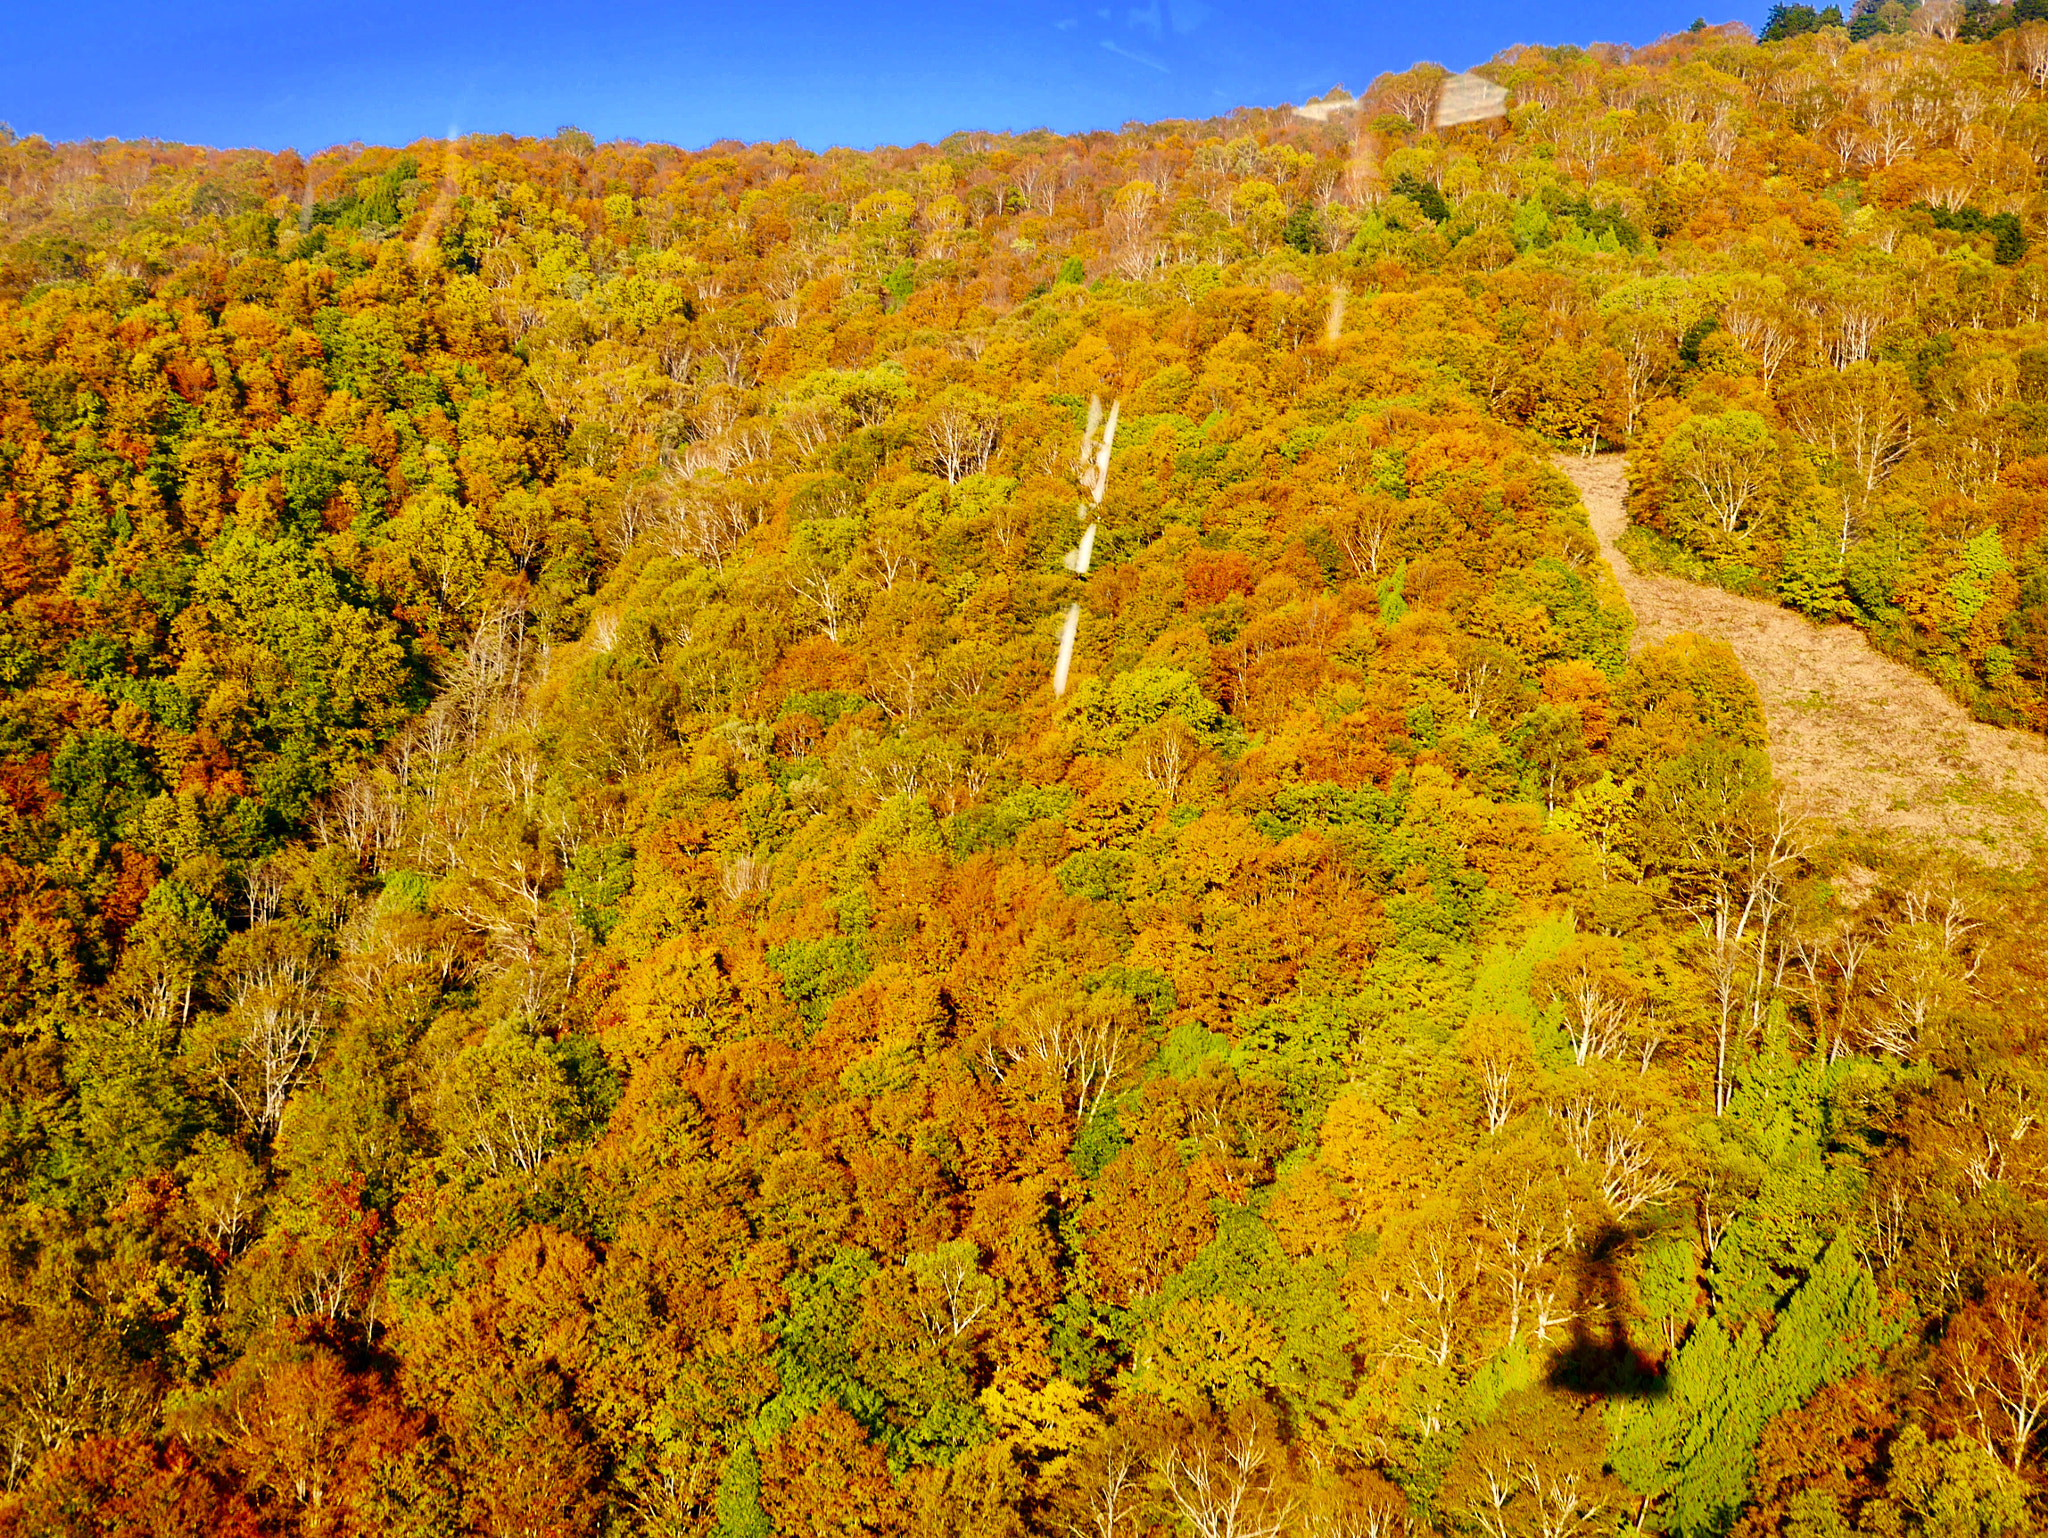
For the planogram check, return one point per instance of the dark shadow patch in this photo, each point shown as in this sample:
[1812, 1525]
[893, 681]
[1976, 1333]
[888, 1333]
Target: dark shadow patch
[1601, 1358]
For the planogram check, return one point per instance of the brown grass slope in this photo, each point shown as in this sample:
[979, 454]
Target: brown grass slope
[1860, 741]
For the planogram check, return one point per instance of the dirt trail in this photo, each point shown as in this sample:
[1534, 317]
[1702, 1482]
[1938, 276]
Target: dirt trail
[1858, 740]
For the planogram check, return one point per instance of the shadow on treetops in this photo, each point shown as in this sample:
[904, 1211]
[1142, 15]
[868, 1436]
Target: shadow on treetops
[1601, 1357]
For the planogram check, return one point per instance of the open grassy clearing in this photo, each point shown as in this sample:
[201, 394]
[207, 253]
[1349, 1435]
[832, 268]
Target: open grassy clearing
[1859, 740]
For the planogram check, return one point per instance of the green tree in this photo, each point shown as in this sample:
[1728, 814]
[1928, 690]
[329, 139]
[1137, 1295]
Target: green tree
[1693, 1449]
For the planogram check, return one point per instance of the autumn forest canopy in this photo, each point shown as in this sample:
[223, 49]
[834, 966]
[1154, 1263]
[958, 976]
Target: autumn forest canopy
[564, 971]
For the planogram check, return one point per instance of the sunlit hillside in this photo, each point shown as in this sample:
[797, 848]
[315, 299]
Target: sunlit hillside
[567, 971]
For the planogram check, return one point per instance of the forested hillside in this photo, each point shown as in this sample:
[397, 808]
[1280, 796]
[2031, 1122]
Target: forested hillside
[567, 973]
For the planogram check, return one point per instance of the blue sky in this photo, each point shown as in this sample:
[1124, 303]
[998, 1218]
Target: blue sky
[232, 72]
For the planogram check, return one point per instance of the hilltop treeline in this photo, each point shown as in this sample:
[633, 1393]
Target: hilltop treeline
[565, 971]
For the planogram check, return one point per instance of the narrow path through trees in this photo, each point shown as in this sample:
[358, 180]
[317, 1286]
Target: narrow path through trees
[1858, 740]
